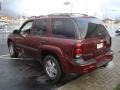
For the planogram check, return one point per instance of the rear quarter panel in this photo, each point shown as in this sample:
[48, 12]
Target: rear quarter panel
[63, 48]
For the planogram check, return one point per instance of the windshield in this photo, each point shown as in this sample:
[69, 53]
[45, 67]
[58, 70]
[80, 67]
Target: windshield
[91, 27]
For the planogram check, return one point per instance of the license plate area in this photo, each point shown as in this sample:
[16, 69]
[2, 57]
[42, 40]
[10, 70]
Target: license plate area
[99, 45]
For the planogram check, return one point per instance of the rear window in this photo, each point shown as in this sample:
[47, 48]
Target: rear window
[91, 27]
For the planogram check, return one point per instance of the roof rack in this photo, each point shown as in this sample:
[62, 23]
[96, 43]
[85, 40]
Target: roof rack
[67, 14]
[58, 14]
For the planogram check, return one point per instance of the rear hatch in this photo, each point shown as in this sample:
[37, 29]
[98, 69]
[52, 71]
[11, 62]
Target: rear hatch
[95, 38]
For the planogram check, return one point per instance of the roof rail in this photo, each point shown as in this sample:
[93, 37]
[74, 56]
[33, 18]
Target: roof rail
[66, 14]
[57, 14]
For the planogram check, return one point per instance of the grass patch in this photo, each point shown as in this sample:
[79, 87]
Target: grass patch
[118, 87]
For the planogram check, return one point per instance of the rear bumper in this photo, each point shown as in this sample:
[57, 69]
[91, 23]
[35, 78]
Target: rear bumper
[90, 65]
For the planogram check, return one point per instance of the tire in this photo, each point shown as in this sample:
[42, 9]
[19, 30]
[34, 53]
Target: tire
[52, 69]
[12, 50]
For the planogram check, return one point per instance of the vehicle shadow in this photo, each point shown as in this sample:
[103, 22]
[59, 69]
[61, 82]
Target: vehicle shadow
[32, 76]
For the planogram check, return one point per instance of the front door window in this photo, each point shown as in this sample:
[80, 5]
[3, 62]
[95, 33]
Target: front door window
[26, 28]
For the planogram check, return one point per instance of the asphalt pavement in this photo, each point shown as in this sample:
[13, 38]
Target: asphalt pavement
[24, 73]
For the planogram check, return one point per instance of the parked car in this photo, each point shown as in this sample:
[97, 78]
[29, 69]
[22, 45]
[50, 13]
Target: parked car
[63, 43]
[117, 31]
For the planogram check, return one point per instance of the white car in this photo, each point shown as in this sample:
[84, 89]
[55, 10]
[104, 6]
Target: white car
[3, 26]
[118, 31]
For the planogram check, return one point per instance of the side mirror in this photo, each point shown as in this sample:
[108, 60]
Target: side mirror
[16, 31]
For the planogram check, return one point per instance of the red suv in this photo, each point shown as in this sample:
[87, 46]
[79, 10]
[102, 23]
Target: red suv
[63, 43]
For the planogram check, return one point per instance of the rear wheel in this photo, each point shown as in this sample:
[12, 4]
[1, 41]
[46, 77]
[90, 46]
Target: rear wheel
[52, 69]
[12, 50]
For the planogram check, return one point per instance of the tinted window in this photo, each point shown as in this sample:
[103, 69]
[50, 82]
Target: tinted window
[95, 30]
[91, 27]
[40, 27]
[63, 27]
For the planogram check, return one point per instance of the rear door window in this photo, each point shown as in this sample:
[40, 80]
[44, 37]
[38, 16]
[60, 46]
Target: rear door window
[63, 28]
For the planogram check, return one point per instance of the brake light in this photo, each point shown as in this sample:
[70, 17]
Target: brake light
[108, 41]
[78, 51]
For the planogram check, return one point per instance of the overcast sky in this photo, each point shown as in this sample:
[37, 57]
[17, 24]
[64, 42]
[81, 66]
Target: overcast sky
[100, 8]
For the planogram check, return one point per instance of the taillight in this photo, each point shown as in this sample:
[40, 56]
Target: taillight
[108, 41]
[78, 51]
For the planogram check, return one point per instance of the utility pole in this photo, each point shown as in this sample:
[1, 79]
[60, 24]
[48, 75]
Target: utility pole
[21, 16]
[0, 5]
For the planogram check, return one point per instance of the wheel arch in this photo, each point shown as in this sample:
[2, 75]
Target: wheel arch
[49, 52]
[56, 55]
[8, 41]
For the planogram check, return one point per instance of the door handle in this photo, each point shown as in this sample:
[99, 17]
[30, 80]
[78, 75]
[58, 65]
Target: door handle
[18, 37]
[42, 41]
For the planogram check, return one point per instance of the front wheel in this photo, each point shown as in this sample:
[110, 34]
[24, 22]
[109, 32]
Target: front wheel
[12, 50]
[52, 68]
[105, 65]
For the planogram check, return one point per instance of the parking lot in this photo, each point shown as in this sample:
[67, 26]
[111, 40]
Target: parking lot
[24, 73]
